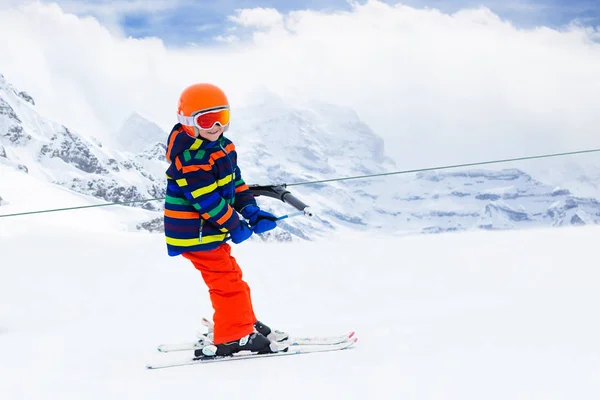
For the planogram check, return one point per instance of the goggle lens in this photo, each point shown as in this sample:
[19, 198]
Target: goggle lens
[208, 119]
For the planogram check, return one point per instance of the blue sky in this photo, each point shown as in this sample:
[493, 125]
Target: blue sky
[178, 22]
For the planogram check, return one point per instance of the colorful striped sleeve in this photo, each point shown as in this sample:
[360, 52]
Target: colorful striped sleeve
[201, 188]
[243, 195]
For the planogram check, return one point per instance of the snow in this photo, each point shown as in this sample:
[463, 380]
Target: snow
[469, 315]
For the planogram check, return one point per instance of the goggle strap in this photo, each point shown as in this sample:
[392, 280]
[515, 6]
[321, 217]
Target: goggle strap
[183, 120]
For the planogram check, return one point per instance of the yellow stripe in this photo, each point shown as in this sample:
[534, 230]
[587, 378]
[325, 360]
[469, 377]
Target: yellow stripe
[182, 182]
[195, 241]
[225, 181]
[196, 144]
[203, 190]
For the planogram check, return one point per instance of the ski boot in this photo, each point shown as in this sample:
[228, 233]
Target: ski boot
[274, 336]
[254, 342]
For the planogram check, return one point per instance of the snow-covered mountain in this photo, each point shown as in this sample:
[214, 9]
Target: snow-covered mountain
[138, 130]
[53, 153]
[503, 199]
[281, 143]
[284, 143]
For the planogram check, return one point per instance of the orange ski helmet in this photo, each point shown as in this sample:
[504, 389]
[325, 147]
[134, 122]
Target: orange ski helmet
[197, 98]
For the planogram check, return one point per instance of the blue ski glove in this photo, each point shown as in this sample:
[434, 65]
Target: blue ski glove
[241, 233]
[260, 221]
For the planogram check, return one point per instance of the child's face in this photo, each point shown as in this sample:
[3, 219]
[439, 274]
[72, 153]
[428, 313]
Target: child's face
[211, 134]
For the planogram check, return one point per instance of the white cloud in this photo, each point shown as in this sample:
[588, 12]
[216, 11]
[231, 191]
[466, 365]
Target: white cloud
[439, 88]
[257, 17]
[226, 38]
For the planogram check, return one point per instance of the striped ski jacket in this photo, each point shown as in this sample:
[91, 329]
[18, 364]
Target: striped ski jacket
[204, 190]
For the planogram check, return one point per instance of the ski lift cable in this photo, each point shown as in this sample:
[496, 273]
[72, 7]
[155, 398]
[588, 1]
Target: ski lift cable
[282, 193]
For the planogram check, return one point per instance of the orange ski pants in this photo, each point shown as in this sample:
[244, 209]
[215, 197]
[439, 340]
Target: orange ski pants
[230, 295]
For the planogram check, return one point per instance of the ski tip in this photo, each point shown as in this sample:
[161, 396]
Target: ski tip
[351, 343]
[351, 335]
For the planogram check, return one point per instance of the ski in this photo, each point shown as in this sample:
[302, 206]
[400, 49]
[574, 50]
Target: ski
[292, 341]
[286, 351]
[319, 340]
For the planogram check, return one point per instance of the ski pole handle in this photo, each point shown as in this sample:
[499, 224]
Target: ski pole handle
[297, 204]
[296, 214]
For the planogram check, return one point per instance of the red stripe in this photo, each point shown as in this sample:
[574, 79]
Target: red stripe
[241, 188]
[225, 217]
[170, 146]
[181, 214]
[194, 168]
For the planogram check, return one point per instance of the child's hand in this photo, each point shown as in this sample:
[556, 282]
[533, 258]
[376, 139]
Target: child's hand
[241, 233]
[260, 221]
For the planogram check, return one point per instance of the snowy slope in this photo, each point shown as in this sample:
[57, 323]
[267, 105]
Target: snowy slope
[26, 193]
[477, 315]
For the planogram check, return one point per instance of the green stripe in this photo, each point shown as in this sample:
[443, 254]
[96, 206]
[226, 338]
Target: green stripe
[176, 200]
[239, 183]
[218, 208]
[187, 156]
[199, 154]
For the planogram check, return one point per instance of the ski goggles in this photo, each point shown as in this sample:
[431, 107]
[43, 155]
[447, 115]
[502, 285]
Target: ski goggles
[206, 119]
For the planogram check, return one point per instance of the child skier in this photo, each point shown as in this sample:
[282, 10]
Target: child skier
[205, 192]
